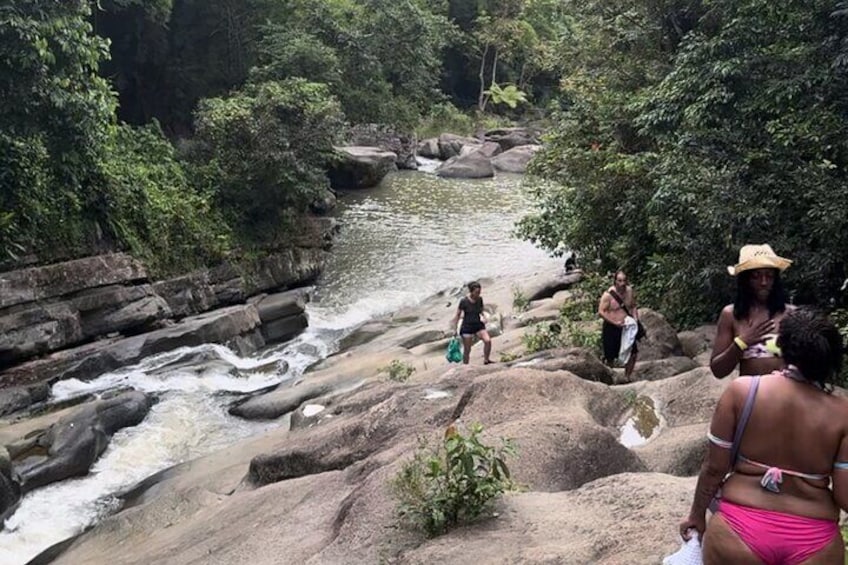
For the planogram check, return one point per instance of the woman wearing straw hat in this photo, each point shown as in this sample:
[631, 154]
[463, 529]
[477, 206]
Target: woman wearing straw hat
[747, 329]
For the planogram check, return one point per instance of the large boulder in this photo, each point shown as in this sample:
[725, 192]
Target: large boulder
[488, 149]
[387, 139]
[472, 165]
[118, 308]
[661, 341]
[515, 160]
[360, 167]
[697, 341]
[579, 361]
[429, 148]
[59, 279]
[662, 368]
[73, 444]
[509, 138]
[91, 359]
[450, 145]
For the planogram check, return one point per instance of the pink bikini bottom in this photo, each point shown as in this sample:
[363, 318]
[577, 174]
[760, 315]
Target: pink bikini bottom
[778, 538]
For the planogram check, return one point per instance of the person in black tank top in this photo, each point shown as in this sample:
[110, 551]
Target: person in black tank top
[470, 309]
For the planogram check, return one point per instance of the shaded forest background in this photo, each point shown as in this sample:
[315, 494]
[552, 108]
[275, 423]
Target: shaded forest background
[189, 131]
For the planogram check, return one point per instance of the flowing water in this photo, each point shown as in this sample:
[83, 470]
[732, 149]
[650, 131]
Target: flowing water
[401, 242]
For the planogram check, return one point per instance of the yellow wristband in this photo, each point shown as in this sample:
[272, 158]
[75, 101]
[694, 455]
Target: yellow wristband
[740, 344]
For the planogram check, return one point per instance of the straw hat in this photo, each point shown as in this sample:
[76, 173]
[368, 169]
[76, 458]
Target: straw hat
[758, 257]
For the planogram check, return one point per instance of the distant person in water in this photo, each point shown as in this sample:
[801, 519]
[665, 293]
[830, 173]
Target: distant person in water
[617, 303]
[747, 329]
[470, 309]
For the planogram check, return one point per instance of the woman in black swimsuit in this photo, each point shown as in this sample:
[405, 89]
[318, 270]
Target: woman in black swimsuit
[470, 309]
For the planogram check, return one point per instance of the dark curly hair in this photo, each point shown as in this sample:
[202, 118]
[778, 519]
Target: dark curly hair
[473, 285]
[745, 296]
[811, 342]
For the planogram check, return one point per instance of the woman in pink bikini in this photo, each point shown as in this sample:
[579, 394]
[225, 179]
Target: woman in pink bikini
[747, 329]
[785, 478]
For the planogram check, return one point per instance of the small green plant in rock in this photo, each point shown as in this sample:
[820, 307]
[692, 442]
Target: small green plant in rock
[520, 302]
[630, 397]
[509, 357]
[453, 483]
[398, 371]
[542, 337]
[578, 336]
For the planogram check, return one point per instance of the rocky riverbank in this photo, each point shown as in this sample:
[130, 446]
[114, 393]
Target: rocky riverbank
[317, 491]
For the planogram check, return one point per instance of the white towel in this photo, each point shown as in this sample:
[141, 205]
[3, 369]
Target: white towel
[628, 338]
[688, 554]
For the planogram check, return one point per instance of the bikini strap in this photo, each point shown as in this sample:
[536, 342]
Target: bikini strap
[718, 442]
[743, 419]
[841, 465]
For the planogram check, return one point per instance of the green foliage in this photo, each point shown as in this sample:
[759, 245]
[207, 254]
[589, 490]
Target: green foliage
[542, 337]
[506, 357]
[688, 132]
[582, 306]
[578, 335]
[444, 117]
[509, 95]
[268, 146]
[398, 371]
[840, 318]
[453, 483]
[520, 302]
[154, 210]
[55, 122]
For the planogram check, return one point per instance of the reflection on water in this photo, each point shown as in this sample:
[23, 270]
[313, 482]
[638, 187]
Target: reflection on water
[415, 235]
[643, 424]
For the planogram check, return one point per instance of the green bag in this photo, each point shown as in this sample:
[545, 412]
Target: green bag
[454, 353]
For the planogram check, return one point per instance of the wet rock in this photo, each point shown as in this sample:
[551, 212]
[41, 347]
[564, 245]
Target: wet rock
[73, 444]
[473, 165]
[10, 490]
[17, 398]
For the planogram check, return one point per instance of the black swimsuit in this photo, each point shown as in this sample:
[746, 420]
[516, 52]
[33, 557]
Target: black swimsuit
[471, 320]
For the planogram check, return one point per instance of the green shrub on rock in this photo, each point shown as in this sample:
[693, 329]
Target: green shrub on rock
[398, 371]
[453, 483]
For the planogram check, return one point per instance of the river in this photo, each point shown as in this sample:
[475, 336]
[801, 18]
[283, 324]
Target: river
[401, 242]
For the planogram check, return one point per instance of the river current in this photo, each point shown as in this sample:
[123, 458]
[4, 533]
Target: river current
[400, 243]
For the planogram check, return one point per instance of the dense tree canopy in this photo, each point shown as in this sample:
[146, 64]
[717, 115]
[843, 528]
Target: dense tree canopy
[681, 129]
[700, 127]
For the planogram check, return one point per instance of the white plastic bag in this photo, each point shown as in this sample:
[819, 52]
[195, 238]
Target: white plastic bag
[688, 554]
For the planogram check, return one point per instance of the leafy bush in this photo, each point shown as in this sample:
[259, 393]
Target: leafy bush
[576, 335]
[268, 145]
[520, 302]
[453, 483]
[542, 337]
[398, 371]
[155, 212]
[444, 118]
